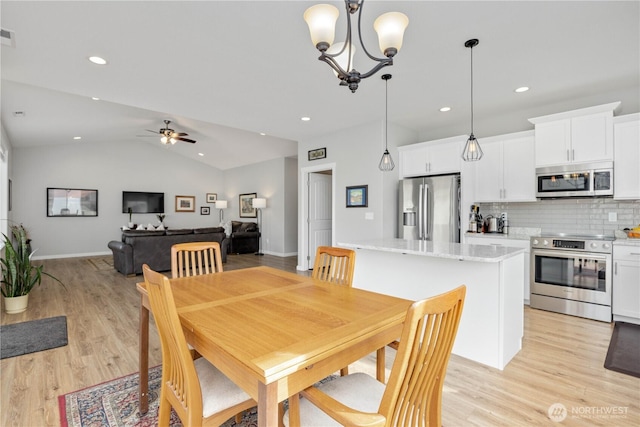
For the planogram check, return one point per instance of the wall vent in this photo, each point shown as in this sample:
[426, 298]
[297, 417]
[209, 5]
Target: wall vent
[8, 37]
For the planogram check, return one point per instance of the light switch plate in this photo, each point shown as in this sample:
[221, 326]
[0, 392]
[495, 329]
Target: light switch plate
[368, 215]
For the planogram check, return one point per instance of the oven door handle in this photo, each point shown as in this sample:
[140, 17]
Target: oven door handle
[569, 254]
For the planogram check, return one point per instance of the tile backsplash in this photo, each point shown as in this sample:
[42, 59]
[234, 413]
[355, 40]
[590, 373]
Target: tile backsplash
[571, 216]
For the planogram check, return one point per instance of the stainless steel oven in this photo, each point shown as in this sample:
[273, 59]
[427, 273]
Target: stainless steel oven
[572, 275]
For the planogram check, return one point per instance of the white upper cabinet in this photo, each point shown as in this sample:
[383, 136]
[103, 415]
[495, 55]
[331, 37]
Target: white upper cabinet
[626, 179]
[506, 172]
[431, 158]
[578, 136]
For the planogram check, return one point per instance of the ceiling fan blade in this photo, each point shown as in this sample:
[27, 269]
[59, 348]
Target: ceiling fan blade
[176, 134]
[186, 140]
[152, 131]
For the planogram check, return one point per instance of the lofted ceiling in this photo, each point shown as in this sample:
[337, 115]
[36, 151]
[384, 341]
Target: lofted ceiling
[226, 71]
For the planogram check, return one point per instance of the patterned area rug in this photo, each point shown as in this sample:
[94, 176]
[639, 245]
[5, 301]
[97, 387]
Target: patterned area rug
[115, 404]
[101, 264]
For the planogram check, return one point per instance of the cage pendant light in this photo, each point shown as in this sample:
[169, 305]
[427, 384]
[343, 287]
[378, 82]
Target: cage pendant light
[386, 162]
[472, 151]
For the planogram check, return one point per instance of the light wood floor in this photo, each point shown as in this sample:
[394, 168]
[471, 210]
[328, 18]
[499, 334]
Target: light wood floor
[561, 360]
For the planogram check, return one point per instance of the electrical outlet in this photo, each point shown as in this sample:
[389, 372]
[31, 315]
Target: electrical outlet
[368, 215]
[613, 216]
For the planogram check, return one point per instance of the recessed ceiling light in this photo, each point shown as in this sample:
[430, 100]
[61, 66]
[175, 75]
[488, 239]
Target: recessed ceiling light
[77, 137]
[201, 154]
[95, 98]
[305, 119]
[263, 134]
[521, 89]
[98, 60]
[445, 109]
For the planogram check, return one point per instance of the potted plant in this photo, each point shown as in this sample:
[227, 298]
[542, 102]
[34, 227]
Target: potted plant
[130, 211]
[19, 275]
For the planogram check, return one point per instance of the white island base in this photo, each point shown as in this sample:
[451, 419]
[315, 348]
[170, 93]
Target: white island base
[492, 323]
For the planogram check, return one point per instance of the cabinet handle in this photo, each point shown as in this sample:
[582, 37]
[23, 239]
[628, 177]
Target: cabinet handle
[615, 268]
[504, 193]
[568, 155]
[573, 154]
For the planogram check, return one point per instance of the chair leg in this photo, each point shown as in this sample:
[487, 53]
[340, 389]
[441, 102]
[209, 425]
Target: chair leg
[164, 413]
[294, 411]
[344, 371]
[380, 365]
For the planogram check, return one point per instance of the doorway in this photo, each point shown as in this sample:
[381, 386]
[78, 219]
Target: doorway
[317, 212]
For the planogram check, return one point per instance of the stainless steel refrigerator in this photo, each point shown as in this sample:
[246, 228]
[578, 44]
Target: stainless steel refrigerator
[429, 208]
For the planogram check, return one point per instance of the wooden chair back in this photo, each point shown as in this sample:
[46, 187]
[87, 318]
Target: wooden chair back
[195, 258]
[413, 395]
[334, 265]
[180, 383]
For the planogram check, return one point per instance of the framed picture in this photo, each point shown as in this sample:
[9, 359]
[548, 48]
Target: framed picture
[205, 210]
[318, 153]
[212, 197]
[72, 202]
[185, 204]
[246, 207]
[357, 196]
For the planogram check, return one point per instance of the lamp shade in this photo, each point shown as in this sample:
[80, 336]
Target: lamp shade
[321, 20]
[390, 28]
[259, 203]
[344, 59]
[221, 204]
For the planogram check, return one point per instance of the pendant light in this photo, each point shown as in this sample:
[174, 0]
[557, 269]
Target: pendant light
[386, 162]
[472, 151]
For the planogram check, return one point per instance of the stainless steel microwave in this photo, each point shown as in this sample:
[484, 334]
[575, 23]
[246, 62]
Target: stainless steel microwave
[575, 180]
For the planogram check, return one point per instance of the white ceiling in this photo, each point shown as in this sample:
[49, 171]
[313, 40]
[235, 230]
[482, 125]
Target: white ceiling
[223, 71]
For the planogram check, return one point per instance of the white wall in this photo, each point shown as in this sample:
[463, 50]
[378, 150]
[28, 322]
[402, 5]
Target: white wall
[356, 153]
[275, 180]
[5, 155]
[110, 168]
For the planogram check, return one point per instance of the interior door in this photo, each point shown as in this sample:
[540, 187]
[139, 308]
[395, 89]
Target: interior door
[319, 213]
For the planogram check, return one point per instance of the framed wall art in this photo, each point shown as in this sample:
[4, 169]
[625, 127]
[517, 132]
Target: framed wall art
[205, 210]
[357, 196]
[318, 153]
[185, 204]
[72, 202]
[212, 197]
[245, 205]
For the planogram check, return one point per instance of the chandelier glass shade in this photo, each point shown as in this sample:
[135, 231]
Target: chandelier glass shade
[472, 151]
[321, 20]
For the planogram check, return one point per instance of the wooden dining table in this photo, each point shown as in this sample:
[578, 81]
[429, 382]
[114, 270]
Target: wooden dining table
[273, 332]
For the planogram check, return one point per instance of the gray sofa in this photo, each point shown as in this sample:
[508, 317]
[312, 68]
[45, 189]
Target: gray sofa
[139, 247]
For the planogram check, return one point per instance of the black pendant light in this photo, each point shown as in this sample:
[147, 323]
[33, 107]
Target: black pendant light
[472, 151]
[386, 162]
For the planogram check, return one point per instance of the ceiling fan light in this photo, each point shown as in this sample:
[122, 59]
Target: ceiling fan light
[173, 140]
[164, 140]
[390, 28]
[321, 20]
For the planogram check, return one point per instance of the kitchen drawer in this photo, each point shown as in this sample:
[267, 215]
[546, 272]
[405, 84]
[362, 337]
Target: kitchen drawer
[626, 253]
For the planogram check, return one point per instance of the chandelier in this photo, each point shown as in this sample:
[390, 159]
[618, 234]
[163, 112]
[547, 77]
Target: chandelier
[472, 151]
[321, 20]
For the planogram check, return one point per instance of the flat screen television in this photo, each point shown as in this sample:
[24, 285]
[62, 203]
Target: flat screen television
[142, 202]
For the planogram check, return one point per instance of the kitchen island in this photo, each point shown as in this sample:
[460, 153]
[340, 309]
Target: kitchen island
[491, 327]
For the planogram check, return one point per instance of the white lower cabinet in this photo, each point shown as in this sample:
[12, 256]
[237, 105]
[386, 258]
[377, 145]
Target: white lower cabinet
[625, 303]
[513, 243]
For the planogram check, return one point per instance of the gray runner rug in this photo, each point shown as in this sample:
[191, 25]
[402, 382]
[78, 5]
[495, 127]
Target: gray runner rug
[32, 336]
[624, 349]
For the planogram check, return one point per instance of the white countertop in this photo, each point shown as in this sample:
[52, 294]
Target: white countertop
[458, 251]
[515, 233]
[627, 242]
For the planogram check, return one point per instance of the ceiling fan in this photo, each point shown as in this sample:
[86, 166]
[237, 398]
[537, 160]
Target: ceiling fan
[169, 136]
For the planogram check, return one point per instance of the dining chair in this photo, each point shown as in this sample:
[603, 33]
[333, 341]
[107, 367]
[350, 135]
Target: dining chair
[413, 395]
[195, 258]
[335, 265]
[198, 392]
